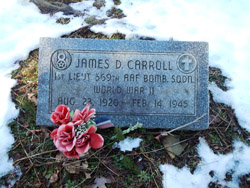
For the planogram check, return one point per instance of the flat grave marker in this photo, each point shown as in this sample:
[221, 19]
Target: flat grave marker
[161, 84]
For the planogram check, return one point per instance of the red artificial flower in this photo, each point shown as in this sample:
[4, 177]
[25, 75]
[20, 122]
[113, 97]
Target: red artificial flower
[61, 115]
[64, 137]
[87, 140]
[75, 141]
[71, 154]
[83, 116]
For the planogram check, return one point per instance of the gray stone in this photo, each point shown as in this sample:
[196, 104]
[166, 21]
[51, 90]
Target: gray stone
[159, 84]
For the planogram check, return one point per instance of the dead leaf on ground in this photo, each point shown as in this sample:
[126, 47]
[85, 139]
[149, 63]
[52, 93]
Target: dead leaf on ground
[100, 182]
[87, 175]
[73, 168]
[172, 145]
[160, 136]
[32, 97]
[54, 177]
[37, 185]
[85, 165]
[76, 167]
[45, 132]
[59, 157]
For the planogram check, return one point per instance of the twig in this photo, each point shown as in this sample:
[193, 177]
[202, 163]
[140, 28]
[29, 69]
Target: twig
[229, 124]
[165, 147]
[162, 147]
[157, 171]
[106, 166]
[91, 154]
[185, 125]
[223, 119]
[207, 163]
[153, 175]
[219, 134]
[27, 129]
[32, 164]
[16, 146]
[78, 185]
[49, 163]
[29, 157]
[213, 119]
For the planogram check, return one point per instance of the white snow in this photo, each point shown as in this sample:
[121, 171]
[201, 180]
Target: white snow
[237, 163]
[5, 114]
[128, 144]
[224, 24]
[221, 23]
[21, 26]
[219, 95]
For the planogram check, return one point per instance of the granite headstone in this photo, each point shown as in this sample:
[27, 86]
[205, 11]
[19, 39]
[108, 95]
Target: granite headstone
[161, 84]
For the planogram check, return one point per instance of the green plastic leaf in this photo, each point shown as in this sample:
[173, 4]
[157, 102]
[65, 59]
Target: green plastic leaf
[71, 115]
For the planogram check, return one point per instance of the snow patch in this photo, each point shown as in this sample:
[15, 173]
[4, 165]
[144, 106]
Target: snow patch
[221, 23]
[219, 95]
[128, 144]
[7, 112]
[236, 163]
[21, 26]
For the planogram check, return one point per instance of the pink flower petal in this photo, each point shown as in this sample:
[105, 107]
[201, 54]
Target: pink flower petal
[54, 118]
[79, 122]
[89, 115]
[53, 134]
[83, 149]
[59, 108]
[92, 129]
[70, 146]
[76, 115]
[86, 109]
[59, 146]
[96, 141]
[61, 115]
[61, 129]
[71, 154]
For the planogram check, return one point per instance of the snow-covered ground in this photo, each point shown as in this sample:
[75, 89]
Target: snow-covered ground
[21, 26]
[127, 144]
[211, 168]
[224, 24]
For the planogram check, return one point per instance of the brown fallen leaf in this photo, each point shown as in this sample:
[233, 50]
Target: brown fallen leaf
[54, 177]
[85, 165]
[87, 175]
[100, 182]
[59, 157]
[32, 97]
[160, 137]
[172, 145]
[45, 132]
[72, 168]
[37, 185]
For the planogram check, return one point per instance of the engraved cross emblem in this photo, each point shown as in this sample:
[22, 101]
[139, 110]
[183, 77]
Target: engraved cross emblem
[187, 61]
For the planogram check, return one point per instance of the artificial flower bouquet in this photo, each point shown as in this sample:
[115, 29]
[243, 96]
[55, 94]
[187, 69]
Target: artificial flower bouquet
[76, 133]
